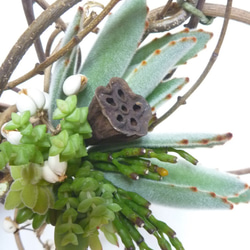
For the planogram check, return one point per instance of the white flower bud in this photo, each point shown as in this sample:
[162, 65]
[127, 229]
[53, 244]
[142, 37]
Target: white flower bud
[25, 103]
[47, 100]
[56, 165]
[12, 136]
[37, 96]
[74, 84]
[9, 225]
[48, 175]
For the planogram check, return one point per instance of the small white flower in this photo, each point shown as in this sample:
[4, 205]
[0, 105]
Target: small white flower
[74, 84]
[37, 96]
[25, 103]
[57, 166]
[9, 225]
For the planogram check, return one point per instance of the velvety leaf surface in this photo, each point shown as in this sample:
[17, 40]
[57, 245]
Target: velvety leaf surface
[149, 73]
[114, 48]
[176, 140]
[170, 195]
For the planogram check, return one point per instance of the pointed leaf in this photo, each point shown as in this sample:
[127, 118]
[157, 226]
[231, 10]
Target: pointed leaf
[201, 36]
[244, 197]
[165, 90]
[163, 140]
[114, 48]
[145, 77]
[170, 195]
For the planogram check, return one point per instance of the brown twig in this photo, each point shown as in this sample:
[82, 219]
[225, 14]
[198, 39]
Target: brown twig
[240, 171]
[69, 46]
[27, 38]
[30, 17]
[182, 100]
[17, 235]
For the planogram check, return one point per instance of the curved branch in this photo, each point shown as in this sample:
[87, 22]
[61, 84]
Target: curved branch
[182, 99]
[70, 45]
[33, 32]
[217, 10]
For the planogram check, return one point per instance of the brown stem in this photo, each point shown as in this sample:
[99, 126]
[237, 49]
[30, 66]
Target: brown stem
[240, 171]
[182, 100]
[69, 46]
[217, 10]
[17, 235]
[27, 38]
[30, 17]
[59, 22]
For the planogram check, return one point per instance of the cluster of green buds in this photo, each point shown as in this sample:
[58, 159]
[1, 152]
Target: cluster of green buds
[88, 203]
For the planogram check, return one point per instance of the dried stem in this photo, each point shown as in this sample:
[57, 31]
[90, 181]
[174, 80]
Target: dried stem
[240, 171]
[17, 235]
[32, 33]
[30, 17]
[182, 100]
[69, 46]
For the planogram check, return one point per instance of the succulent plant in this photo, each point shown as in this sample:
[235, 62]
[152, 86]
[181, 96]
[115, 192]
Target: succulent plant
[94, 163]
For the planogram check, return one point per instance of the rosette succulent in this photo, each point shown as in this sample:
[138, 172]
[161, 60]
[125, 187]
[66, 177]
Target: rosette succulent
[93, 162]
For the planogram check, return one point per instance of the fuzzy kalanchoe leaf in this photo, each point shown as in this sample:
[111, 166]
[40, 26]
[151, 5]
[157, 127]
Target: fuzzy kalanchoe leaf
[116, 113]
[186, 186]
[114, 48]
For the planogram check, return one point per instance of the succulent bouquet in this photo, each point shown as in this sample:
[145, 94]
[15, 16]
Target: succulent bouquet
[82, 155]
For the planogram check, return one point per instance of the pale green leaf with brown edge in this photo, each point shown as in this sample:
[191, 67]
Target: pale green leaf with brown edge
[149, 73]
[165, 90]
[164, 140]
[242, 198]
[185, 186]
[114, 47]
[166, 194]
[142, 53]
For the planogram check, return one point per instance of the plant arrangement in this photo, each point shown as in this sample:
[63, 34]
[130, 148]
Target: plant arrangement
[82, 155]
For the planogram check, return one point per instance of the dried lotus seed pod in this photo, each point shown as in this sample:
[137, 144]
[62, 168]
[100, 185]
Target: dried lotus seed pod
[116, 113]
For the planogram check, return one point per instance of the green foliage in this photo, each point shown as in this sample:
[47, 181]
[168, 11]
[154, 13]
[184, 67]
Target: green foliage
[114, 48]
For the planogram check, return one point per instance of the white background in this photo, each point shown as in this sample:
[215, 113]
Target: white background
[221, 104]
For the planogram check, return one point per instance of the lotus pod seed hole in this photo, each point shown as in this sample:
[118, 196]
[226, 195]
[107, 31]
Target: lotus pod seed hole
[136, 107]
[121, 94]
[124, 108]
[110, 101]
[119, 118]
[133, 122]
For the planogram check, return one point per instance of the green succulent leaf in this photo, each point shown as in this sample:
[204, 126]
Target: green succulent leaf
[150, 72]
[186, 186]
[69, 238]
[165, 90]
[114, 45]
[242, 198]
[29, 195]
[175, 140]
[38, 220]
[201, 36]
[43, 202]
[23, 215]
[171, 195]
[13, 200]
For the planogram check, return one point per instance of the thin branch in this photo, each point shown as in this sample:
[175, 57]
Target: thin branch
[182, 100]
[164, 11]
[37, 27]
[60, 24]
[30, 17]
[240, 171]
[69, 46]
[217, 10]
[17, 235]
